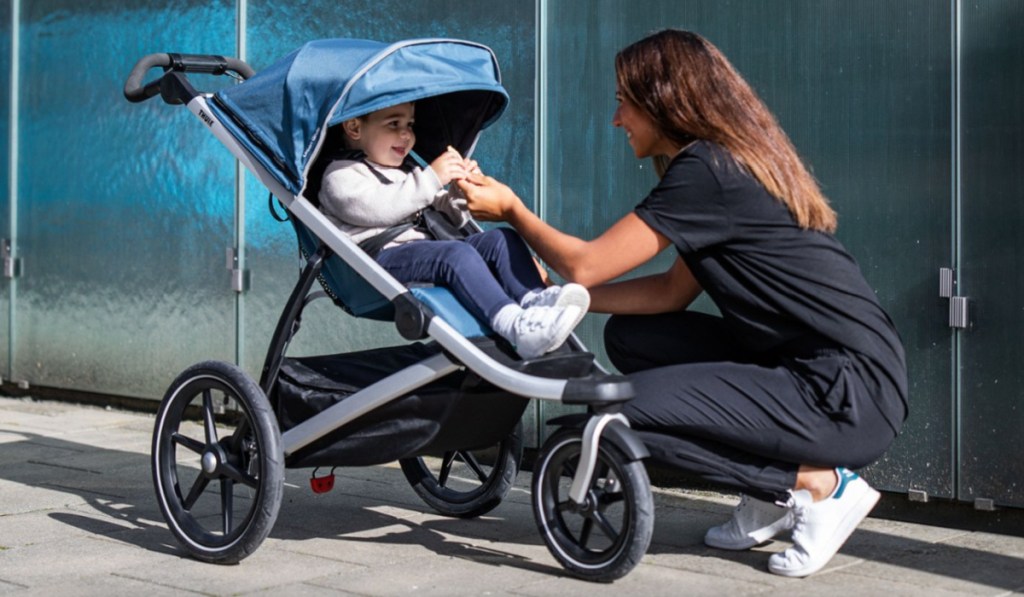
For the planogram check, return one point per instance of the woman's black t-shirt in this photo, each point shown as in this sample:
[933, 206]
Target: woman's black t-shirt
[775, 283]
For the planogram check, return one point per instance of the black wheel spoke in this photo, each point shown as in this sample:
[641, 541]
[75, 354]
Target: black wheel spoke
[188, 442]
[208, 418]
[227, 503]
[473, 464]
[235, 474]
[197, 490]
[588, 526]
[605, 526]
[446, 468]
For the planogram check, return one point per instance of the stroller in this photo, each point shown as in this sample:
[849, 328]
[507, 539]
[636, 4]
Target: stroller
[448, 405]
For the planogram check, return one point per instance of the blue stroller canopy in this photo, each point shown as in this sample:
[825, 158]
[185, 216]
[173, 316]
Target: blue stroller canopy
[281, 114]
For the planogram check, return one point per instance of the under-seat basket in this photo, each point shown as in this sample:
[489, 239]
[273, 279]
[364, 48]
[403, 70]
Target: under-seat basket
[458, 411]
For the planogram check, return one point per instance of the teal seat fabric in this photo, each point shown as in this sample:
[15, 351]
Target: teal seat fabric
[443, 303]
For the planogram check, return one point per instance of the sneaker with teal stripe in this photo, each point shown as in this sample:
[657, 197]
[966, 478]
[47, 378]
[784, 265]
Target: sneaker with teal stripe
[821, 528]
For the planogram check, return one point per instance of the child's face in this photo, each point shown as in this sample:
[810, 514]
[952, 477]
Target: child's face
[385, 136]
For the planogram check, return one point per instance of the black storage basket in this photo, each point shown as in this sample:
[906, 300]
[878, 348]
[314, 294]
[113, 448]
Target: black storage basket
[459, 411]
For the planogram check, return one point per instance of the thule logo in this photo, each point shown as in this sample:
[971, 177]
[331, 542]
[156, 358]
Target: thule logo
[206, 118]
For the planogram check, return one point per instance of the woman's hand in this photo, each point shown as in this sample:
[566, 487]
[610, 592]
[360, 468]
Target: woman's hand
[488, 199]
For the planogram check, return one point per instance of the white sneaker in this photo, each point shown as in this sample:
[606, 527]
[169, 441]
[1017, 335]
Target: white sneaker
[753, 522]
[821, 528]
[571, 294]
[539, 330]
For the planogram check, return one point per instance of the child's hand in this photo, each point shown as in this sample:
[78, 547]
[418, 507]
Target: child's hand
[449, 166]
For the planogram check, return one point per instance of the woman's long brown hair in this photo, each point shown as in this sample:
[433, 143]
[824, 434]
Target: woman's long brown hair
[688, 88]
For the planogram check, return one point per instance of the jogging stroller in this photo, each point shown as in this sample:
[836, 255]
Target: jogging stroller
[448, 405]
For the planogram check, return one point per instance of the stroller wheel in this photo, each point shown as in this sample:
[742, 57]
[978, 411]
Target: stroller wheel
[467, 483]
[604, 538]
[217, 462]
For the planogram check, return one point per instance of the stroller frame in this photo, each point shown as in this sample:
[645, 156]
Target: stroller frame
[585, 449]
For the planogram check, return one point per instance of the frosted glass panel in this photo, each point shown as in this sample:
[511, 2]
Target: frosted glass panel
[124, 210]
[863, 90]
[992, 386]
[5, 179]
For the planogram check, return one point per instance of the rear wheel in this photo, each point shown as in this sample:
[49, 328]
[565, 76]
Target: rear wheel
[217, 462]
[466, 483]
[606, 536]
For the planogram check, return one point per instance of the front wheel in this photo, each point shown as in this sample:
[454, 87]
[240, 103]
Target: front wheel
[217, 462]
[605, 537]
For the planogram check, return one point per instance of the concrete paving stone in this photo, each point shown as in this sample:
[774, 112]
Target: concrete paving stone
[55, 418]
[110, 585]
[468, 571]
[646, 580]
[20, 498]
[268, 568]
[682, 527]
[19, 447]
[21, 530]
[76, 557]
[504, 523]
[304, 589]
[8, 588]
[78, 483]
[952, 567]
[850, 583]
[78, 516]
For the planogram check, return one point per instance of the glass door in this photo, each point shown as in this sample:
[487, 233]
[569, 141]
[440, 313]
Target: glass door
[124, 211]
[991, 407]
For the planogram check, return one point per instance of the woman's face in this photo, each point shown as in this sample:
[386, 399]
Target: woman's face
[643, 134]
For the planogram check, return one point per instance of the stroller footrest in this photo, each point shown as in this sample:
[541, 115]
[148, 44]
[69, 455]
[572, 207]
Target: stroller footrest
[444, 304]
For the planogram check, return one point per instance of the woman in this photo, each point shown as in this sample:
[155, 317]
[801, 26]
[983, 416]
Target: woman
[803, 375]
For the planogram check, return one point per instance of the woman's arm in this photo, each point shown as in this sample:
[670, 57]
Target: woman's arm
[672, 290]
[629, 243]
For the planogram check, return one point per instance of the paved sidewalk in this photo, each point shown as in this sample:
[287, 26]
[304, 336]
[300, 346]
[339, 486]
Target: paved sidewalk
[78, 517]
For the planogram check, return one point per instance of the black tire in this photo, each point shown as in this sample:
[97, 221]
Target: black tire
[467, 483]
[606, 538]
[217, 462]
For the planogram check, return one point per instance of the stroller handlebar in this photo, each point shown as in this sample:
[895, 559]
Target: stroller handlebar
[135, 91]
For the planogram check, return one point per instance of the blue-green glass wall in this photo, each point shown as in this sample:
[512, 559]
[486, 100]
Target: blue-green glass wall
[5, 174]
[124, 211]
[991, 412]
[862, 88]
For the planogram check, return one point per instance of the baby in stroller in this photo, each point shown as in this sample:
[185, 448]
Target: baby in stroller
[378, 194]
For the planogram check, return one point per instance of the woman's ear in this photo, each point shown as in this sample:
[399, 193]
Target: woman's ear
[351, 128]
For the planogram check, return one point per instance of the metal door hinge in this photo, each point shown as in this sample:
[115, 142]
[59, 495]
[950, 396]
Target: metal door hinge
[959, 306]
[239, 276]
[12, 266]
[985, 504]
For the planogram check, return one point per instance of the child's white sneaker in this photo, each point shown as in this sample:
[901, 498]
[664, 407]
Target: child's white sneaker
[821, 528]
[753, 522]
[569, 295]
[539, 330]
